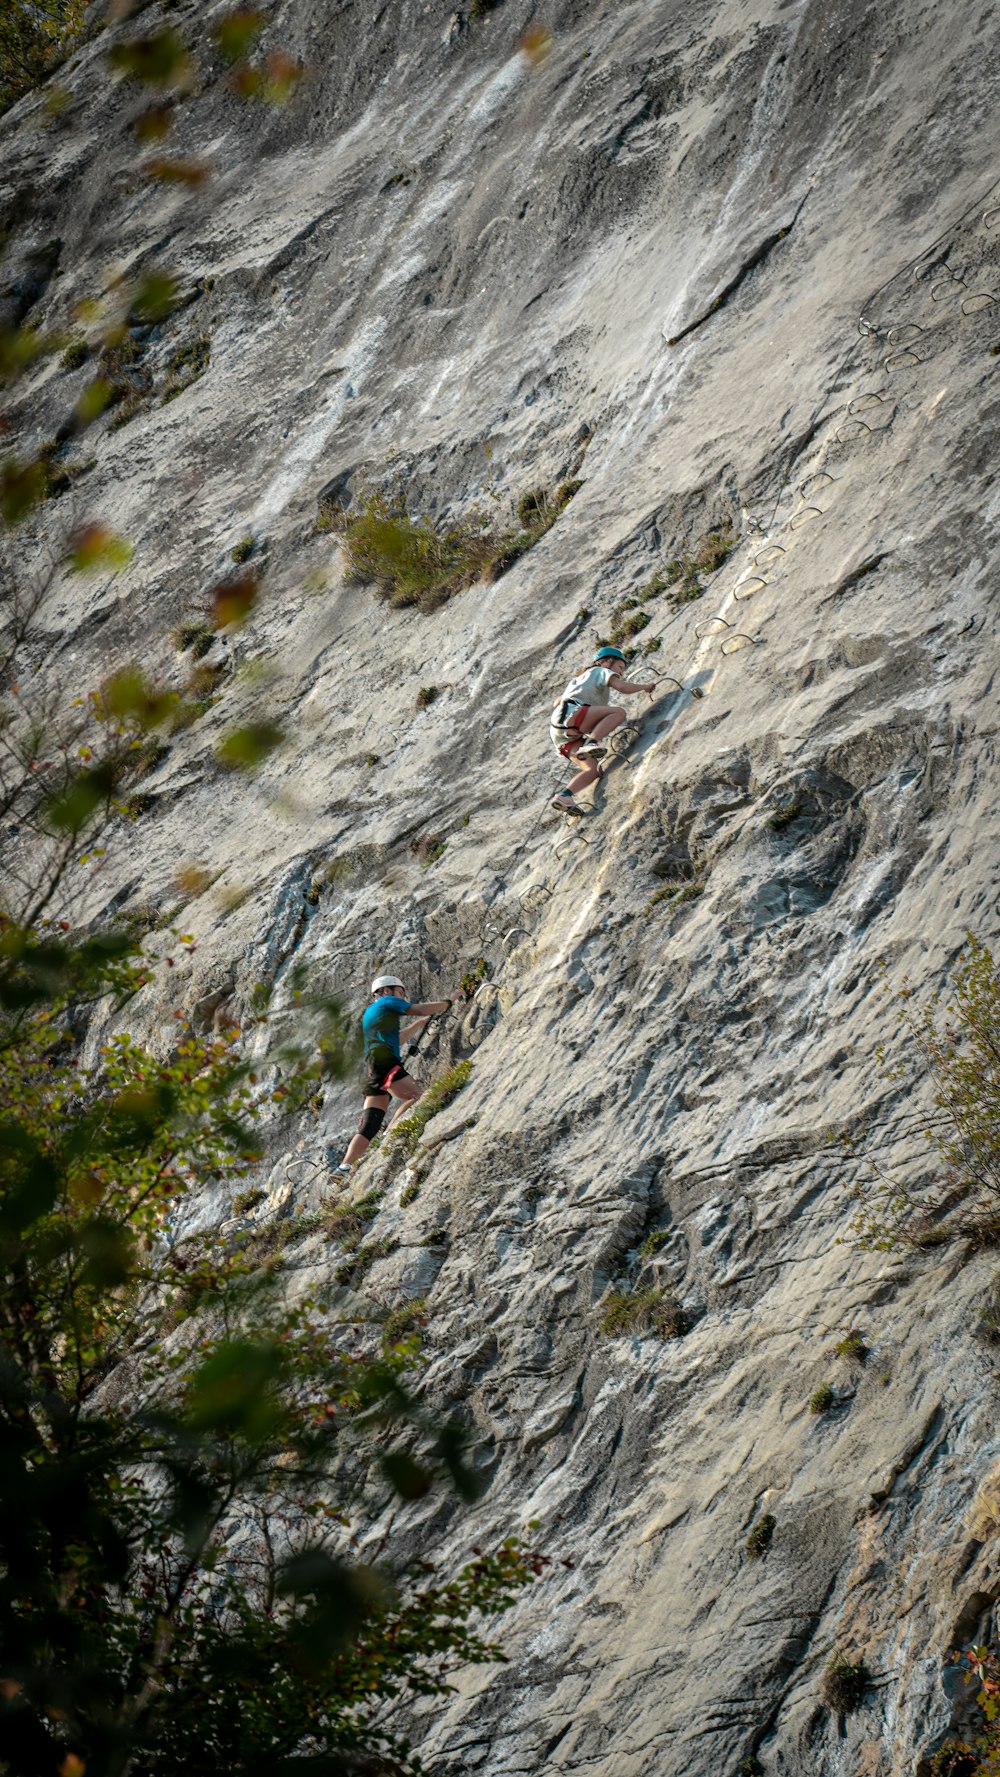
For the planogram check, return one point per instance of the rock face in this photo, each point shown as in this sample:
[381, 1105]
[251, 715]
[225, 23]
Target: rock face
[460, 267]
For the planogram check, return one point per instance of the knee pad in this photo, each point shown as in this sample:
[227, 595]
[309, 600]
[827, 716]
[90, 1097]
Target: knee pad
[371, 1122]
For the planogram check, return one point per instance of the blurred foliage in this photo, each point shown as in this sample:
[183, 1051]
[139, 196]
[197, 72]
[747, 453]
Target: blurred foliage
[177, 1592]
[953, 1044]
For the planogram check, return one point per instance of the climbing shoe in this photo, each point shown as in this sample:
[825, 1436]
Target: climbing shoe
[592, 750]
[566, 803]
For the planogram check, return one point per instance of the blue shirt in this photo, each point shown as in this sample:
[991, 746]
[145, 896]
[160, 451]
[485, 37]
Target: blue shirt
[380, 1024]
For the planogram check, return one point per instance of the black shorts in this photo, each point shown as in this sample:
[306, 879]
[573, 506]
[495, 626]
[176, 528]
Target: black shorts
[382, 1067]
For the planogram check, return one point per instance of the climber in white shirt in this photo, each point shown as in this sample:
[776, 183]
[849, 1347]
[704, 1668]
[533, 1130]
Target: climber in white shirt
[584, 716]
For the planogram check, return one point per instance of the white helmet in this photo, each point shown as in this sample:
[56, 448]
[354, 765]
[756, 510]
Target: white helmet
[381, 981]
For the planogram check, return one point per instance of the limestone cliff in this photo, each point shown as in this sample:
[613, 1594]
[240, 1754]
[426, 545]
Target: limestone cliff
[727, 265]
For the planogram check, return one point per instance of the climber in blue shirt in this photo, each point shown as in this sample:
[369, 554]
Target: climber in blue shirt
[385, 1074]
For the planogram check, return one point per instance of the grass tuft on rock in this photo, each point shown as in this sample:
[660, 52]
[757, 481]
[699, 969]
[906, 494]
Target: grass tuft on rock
[643, 1312]
[843, 1685]
[759, 1540]
[823, 1399]
[404, 1138]
[414, 562]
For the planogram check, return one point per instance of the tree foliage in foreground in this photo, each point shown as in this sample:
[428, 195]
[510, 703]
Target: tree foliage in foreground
[35, 36]
[955, 1044]
[176, 1592]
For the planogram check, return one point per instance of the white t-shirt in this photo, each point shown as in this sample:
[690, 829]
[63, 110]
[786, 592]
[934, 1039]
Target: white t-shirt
[593, 686]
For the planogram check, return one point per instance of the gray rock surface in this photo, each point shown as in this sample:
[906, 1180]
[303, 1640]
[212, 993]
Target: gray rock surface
[447, 264]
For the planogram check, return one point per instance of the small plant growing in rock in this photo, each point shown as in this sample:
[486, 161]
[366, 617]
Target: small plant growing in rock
[783, 816]
[988, 1327]
[404, 1322]
[405, 1135]
[412, 561]
[194, 637]
[823, 1399]
[853, 1347]
[751, 1766]
[436, 1237]
[428, 848]
[643, 1311]
[843, 1685]
[532, 1194]
[653, 1242]
[355, 1269]
[345, 1223]
[245, 1201]
[678, 892]
[76, 353]
[373, 759]
[759, 1540]
[243, 550]
[472, 977]
[427, 695]
[186, 365]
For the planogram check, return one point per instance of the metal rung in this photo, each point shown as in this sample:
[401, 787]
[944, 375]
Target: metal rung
[733, 644]
[900, 360]
[804, 516]
[712, 626]
[749, 584]
[898, 336]
[982, 299]
[870, 399]
[769, 553]
[819, 478]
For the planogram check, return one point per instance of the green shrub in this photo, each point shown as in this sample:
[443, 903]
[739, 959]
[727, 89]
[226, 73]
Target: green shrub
[751, 1766]
[345, 1223]
[853, 1347]
[243, 550]
[956, 1047]
[643, 1311]
[245, 1201]
[654, 1241]
[682, 576]
[76, 353]
[427, 695]
[411, 561]
[405, 1135]
[823, 1399]
[759, 1540]
[355, 1269]
[403, 1322]
[189, 362]
[784, 816]
[843, 1685]
[428, 848]
[675, 891]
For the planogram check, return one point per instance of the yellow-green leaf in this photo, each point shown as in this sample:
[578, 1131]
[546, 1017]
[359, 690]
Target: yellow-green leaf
[246, 748]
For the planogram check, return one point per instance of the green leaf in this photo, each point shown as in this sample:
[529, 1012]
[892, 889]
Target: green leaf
[160, 59]
[236, 34]
[96, 548]
[22, 485]
[245, 748]
[30, 1179]
[128, 695]
[72, 808]
[108, 1253]
[232, 1392]
[154, 297]
[409, 1478]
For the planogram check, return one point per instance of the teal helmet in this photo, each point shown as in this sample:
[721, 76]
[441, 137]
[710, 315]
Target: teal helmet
[609, 654]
